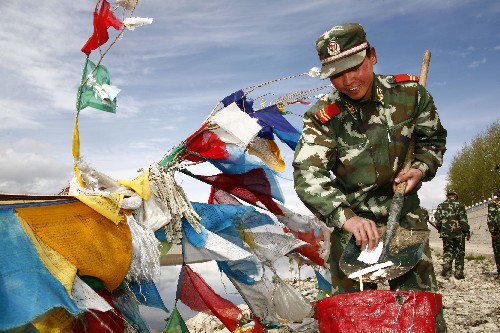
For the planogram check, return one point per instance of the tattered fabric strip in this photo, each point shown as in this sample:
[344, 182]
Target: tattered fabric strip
[126, 302]
[274, 300]
[145, 263]
[174, 198]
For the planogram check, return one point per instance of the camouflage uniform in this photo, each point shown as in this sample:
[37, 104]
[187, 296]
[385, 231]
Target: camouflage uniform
[453, 227]
[494, 228]
[364, 145]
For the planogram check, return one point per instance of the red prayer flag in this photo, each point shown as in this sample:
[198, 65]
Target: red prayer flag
[101, 322]
[311, 253]
[252, 187]
[218, 196]
[199, 296]
[102, 20]
[206, 144]
[311, 250]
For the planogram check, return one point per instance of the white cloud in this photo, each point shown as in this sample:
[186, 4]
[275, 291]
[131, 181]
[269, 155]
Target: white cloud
[477, 63]
[26, 167]
[433, 193]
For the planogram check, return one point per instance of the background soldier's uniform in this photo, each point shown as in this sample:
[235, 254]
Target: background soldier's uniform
[364, 145]
[494, 228]
[453, 227]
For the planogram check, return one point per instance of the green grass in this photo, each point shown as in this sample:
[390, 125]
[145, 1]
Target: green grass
[470, 256]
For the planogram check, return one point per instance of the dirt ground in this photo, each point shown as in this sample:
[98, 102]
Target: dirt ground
[471, 304]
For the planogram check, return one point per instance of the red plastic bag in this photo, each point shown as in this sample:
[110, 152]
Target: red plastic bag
[379, 311]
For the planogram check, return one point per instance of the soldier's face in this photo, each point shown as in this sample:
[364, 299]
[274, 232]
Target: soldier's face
[357, 82]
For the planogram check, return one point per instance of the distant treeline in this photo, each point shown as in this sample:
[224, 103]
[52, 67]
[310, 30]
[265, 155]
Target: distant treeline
[474, 172]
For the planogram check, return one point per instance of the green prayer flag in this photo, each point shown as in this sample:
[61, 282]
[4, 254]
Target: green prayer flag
[97, 91]
[175, 323]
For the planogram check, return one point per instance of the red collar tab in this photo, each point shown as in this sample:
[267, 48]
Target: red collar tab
[328, 112]
[405, 77]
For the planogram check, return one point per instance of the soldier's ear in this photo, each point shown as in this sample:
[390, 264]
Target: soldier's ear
[373, 55]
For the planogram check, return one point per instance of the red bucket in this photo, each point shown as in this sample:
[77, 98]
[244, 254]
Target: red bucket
[379, 311]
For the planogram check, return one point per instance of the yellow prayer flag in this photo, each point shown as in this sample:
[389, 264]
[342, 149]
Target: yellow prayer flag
[76, 140]
[87, 239]
[56, 320]
[139, 184]
[63, 270]
[108, 206]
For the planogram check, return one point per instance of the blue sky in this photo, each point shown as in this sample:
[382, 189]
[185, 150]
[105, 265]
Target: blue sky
[173, 72]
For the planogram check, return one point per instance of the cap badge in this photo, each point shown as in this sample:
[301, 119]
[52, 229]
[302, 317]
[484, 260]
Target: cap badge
[333, 48]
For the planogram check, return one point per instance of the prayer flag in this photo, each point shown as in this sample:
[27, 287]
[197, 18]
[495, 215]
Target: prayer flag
[175, 323]
[29, 290]
[252, 187]
[91, 93]
[102, 20]
[194, 292]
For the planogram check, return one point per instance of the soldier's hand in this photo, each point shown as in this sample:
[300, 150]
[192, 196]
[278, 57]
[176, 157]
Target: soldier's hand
[364, 230]
[468, 237]
[412, 177]
[494, 238]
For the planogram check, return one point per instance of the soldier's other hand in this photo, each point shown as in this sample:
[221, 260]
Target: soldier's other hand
[364, 230]
[468, 237]
[494, 238]
[412, 177]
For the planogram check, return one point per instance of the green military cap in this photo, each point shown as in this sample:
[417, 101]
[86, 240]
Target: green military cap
[451, 192]
[340, 48]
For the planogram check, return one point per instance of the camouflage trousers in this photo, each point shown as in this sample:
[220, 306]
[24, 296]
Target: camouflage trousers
[496, 251]
[454, 251]
[420, 278]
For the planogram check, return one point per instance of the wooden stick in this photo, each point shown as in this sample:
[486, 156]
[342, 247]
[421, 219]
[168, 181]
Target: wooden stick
[425, 67]
[409, 156]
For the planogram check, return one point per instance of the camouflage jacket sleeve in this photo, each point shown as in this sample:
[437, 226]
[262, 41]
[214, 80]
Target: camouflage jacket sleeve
[493, 218]
[464, 222]
[430, 137]
[438, 217]
[314, 157]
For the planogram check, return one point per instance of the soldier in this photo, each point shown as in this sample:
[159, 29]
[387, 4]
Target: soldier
[360, 132]
[453, 227]
[494, 228]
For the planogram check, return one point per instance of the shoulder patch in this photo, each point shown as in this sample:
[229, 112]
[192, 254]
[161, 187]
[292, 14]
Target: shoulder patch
[328, 112]
[405, 77]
